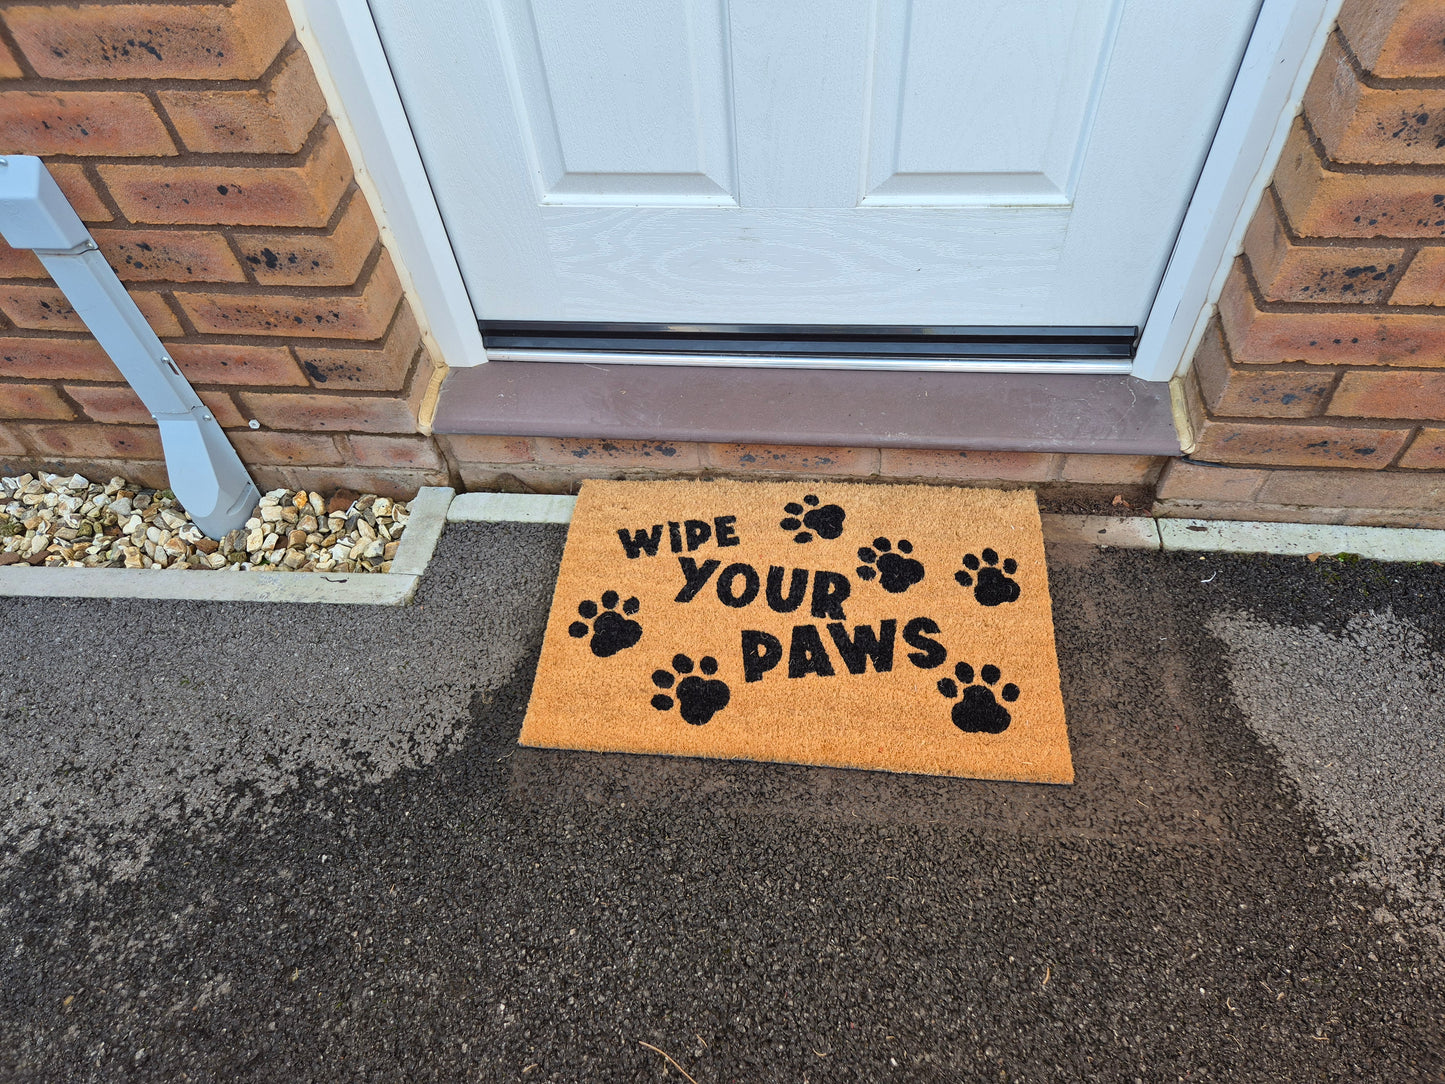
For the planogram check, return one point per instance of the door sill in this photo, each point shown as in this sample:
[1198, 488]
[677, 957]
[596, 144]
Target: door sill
[800, 346]
[797, 361]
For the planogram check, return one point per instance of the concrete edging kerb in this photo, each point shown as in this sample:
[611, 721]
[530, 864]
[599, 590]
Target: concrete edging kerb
[394, 588]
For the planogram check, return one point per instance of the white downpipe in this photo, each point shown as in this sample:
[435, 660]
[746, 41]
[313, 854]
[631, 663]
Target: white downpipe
[206, 475]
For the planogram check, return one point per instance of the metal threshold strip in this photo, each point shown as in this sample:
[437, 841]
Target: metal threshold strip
[800, 346]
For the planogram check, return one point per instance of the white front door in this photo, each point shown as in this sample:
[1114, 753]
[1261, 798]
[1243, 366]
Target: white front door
[821, 162]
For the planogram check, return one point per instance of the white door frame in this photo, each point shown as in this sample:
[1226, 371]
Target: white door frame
[344, 46]
[1288, 38]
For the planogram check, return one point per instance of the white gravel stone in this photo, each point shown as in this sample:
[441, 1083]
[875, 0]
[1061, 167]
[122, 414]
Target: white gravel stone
[47, 519]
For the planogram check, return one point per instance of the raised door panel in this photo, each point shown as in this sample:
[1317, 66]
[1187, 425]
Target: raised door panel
[1008, 124]
[623, 102]
[791, 265]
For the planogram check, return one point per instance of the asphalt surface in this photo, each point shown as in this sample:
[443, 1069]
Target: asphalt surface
[247, 843]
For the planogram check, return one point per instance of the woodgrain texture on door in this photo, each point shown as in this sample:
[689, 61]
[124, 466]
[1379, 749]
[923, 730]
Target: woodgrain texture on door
[961, 162]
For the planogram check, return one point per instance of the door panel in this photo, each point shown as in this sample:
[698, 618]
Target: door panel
[958, 162]
[948, 134]
[606, 125]
[775, 259]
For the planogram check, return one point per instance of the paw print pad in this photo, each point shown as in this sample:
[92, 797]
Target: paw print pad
[698, 699]
[611, 631]
[991, 584]
[823, 520]
[978, 711]
[895, 571]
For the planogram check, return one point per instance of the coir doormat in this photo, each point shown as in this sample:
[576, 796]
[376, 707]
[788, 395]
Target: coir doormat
[898, 628]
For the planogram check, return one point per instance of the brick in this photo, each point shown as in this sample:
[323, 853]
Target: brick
[215, 194]
[258, 366]
[786, 459]
[139, 472]
[1256, 393]
[275, 120]
[499, 478]
[466, 448]
[1426, 451]
[1334, 272]
[1182, 479]
[79, 191]
[651, 454]
[1424, 280]
[81, 122]
[1326, 338]
[377, 451]
[1324, 203]
[966, 466]
[331, 316]
[223, 409]
[169, 255]
[334, 259]
[9, 66]
[1400, 394]
[114, 404]
[156, 312]
[556, 478]
[272, 477]
[39, 308]
[94, 441]
[119, 405]
[311, 411]
[55, 359]
[122, 406]
[38, 401]
[388, 483]
[19, 263]
[151, 41]
[1368, 125]
[372, 367]
[1285, 445]
[45, 308]
[1347, 489]
[1396, 38]
[302, 449]
[1114, 470]
[10, 444]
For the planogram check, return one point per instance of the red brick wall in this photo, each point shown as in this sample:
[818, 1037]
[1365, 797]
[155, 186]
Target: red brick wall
[1319, 390]
[193, 139]
[195, 143]
[553, 465]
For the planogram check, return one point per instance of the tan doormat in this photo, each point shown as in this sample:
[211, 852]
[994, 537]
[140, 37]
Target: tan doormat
[897, 628]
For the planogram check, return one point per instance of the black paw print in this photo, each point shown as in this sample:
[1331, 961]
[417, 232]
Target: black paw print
[699, 698]
[978, 712]
[611, 632]
[895, 573]
[990, 586]
[826, 521]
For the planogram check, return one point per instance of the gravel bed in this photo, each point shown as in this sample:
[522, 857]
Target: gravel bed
[71, 522]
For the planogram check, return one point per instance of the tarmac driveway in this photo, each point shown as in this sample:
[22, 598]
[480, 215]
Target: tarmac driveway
[299, 843]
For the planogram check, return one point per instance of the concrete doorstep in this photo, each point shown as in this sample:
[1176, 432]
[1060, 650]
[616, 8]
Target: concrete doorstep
[394, 588]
